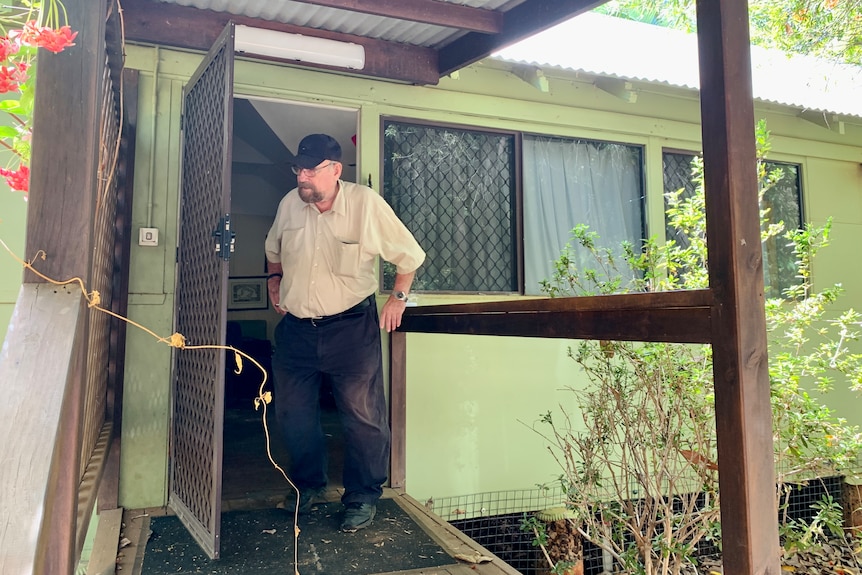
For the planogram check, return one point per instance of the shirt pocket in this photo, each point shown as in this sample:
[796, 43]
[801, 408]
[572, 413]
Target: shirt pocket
[347, 259]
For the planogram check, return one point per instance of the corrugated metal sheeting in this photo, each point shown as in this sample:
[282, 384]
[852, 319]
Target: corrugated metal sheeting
[345, 21]
[605, 46]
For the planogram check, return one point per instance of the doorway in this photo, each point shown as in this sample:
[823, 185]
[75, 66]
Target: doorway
[266, 134]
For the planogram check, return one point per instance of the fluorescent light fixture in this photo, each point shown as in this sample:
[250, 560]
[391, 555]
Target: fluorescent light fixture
[301, 48]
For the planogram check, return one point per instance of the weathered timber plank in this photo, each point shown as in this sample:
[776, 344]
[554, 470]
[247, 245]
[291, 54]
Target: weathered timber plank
[398, 408]
[630, 301]
[36, 362]
[681, 325]
[186, 27]
[743, 413]
[103, 560]
[451, 539]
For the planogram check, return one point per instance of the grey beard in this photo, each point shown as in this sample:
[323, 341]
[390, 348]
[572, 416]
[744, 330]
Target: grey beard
[310, 195]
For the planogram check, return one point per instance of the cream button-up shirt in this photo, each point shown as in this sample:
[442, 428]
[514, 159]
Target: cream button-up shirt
[328, 259]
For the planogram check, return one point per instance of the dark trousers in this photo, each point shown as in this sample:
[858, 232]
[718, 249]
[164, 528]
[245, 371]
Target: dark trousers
[345, 351]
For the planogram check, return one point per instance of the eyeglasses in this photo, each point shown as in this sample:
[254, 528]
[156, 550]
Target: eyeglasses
[310, 172]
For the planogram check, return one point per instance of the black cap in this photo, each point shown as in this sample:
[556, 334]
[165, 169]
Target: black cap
[314, 149]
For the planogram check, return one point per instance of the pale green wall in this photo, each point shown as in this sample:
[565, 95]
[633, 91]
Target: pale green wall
[13, 222]
[471, 400]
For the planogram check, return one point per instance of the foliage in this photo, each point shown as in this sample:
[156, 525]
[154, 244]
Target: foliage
[646, 442]
[828, 522]
[825, 28]
[26, 26]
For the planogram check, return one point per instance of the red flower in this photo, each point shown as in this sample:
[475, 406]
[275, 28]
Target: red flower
[17, 179]
[56, 40]
[45, 37]
[7, 48]
[29, 34]
[12, 76]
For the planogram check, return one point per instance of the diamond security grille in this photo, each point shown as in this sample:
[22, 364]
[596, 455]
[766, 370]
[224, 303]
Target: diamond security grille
[201, 299]
[454, 189]
[781, 196]
[677, 176]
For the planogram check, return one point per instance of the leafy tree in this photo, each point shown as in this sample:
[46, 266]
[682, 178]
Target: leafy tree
[826, 28]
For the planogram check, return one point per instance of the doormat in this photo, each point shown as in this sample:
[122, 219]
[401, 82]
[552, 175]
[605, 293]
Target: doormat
[260, 542]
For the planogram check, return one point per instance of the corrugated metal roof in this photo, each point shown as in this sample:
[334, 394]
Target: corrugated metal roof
[606, 46]
[345, 21]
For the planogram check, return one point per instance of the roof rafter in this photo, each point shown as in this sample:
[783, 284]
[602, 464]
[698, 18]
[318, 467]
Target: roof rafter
[425, 11]
[524, 20]
[192, 28]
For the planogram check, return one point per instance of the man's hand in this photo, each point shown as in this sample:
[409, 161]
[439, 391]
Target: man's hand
[272, 286]
[390, 315]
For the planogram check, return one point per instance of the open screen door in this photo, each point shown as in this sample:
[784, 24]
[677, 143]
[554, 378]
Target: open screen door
[205, 244]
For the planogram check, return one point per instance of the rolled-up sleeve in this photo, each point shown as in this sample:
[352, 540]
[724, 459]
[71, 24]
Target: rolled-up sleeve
[395, 242]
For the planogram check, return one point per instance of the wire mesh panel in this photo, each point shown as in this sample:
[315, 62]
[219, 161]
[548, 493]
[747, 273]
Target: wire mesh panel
[455, 190]
[198, 395]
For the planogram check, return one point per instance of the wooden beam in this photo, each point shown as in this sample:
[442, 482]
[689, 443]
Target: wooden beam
[682, 317]
[749, 522]
[678, 325]
[620, 302]
[433, 12]
[191, 28]
[398, 409]
[525, 19]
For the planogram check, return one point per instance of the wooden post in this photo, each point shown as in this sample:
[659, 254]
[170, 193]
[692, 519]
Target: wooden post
[743, 414]
[60, 215]
[398, 408]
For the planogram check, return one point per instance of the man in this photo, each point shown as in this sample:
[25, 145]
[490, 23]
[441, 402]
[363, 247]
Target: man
[321, 253]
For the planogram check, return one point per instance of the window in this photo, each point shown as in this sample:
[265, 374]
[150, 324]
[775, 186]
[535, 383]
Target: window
[782, 200]
[455, 189]
[569, 182]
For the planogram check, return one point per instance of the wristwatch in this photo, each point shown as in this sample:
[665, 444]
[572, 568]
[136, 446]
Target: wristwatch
[400, 295]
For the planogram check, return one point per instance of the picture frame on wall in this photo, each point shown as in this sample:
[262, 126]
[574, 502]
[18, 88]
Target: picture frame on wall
[247, 293]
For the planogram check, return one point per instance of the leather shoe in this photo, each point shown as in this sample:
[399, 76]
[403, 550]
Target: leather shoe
[358, 516]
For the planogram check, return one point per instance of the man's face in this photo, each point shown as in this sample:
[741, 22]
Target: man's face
[318, 184]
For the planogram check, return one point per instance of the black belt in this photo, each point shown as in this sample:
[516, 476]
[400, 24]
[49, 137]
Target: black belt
[315, 321]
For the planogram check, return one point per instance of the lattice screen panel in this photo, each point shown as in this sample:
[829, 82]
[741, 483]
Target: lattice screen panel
[102, 270]
[200, 300]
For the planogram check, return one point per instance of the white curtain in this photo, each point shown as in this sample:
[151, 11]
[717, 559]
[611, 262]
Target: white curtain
[570, 182]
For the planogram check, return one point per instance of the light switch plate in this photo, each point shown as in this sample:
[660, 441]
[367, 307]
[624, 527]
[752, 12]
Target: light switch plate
[148, 237]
